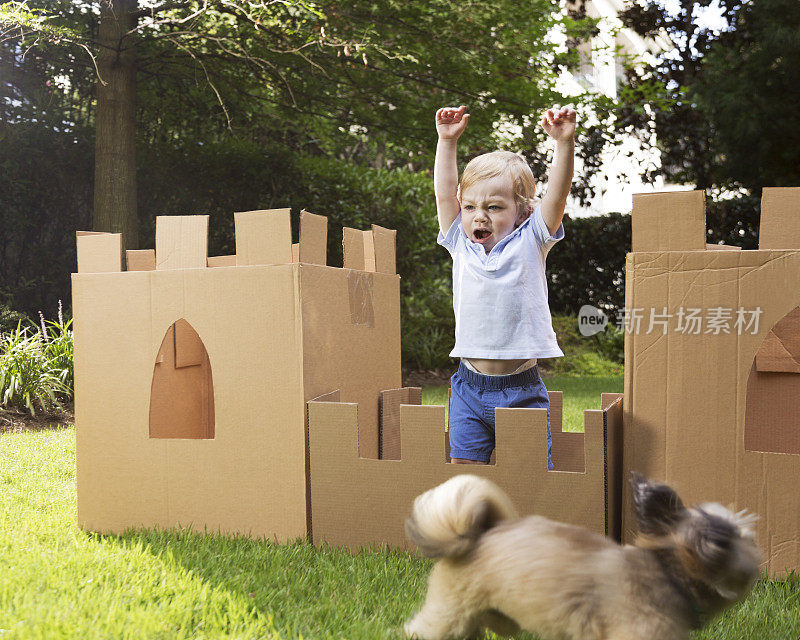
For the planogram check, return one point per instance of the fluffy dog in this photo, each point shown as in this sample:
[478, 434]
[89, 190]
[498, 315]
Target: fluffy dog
[563, 582]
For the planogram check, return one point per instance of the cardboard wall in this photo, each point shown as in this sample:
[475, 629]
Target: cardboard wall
[358, 502]
[191, 377]
[250, 477]
[689, 395]
[351, 339]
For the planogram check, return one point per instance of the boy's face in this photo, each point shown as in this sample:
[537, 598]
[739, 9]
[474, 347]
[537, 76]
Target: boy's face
[489, 212]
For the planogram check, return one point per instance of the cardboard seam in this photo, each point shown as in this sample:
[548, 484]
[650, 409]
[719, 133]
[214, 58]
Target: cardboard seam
[300, 339]
[605, 469]
[380, 425]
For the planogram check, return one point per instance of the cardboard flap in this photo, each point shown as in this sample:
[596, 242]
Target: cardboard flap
[353, 249]
[99, 252]
[780, 218]
[384, 241]
[722, 247]
[369, 250]
[331, 396]
[263, 237]
[607, 400]
[421, 443]
[181, 242]
[313, 238]
[389, 444]
[333, 430]
[780, 351]
[295, 252]
[594, 421]
[221, 261]
[141, 259]
[182, 397]
[189, 349]
[521, 432]
[669, 221]
[612, 405]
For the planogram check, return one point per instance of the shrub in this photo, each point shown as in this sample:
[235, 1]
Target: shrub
[59, 349]
[36, 365]
[28, 380]
[611, 344]
[586, 363]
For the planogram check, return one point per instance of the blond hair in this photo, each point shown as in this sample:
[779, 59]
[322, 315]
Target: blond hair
[501, 163]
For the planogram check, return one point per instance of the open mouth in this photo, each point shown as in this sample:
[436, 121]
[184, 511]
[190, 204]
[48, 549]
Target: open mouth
[481, 235]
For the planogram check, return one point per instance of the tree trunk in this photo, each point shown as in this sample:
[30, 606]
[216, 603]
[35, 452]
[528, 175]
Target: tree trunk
[115, 124]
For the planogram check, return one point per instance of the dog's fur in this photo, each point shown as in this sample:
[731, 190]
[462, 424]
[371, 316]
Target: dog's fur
[565, 583]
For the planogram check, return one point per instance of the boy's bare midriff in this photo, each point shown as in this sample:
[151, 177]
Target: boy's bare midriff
[497, 367]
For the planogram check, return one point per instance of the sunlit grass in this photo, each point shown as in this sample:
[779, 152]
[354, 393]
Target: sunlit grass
[58, 582]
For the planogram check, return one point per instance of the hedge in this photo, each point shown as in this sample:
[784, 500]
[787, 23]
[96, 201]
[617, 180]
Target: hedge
[46, 182]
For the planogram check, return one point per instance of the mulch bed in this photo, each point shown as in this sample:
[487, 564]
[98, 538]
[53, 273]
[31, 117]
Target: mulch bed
[12, 421]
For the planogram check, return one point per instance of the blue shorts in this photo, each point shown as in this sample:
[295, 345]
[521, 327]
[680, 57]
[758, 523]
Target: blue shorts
[473, 398]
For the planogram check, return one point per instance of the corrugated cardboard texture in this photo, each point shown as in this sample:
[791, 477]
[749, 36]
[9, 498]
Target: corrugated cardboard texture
[389, 436]
[358, 502]
[99, 252]
[221, 261]
[182, 394]
[687, 395]
[780, 351]
[670, 221]
[140, 259]
[251, 477]
[263, 237]
[384, 242]
[181, 242]
[353, 249]
[340, 351]
[191, 383]
[313, 238]
[780, 211]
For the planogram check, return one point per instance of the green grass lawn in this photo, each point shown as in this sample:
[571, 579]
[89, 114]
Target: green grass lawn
[579, 394]
[58, 582]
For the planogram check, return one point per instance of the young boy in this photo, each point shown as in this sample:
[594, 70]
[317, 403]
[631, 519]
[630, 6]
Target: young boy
[498, 241]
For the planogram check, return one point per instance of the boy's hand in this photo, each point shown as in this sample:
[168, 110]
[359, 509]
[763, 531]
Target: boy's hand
[451, 122]
[560, 123]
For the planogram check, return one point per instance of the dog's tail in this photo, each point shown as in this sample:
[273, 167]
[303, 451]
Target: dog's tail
[447, 520]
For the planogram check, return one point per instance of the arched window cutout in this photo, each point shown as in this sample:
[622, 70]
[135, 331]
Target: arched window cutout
[182, 394]
[772, 411]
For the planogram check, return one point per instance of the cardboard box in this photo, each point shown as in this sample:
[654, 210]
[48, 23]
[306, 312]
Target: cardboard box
[191, 381]
[716, 412]
[193, 373]
[358, 502]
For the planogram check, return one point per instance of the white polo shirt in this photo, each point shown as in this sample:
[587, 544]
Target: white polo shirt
[500, 297]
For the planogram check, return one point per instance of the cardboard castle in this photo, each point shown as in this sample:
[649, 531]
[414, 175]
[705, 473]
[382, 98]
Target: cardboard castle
[260, 393]
[192, 376]
[714, 409]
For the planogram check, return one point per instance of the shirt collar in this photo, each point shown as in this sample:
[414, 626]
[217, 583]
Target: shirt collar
[499, 246]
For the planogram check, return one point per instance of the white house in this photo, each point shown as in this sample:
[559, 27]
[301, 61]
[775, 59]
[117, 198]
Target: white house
[601, 70]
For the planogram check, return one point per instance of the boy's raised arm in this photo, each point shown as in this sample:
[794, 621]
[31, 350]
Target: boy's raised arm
[559, 125]
[450, 124]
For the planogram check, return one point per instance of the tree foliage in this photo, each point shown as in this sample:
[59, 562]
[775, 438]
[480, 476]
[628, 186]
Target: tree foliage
[749, 88]
[357, 80]
[729, 116]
